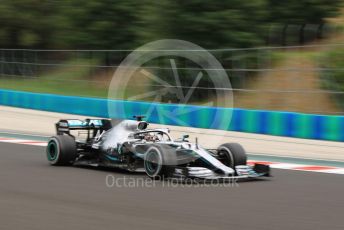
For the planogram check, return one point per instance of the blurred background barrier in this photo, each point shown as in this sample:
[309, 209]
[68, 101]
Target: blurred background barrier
[321, 127]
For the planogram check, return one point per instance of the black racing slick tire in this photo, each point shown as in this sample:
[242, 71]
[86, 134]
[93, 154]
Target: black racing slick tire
[160, 161]
[232, 154]
[61, 150]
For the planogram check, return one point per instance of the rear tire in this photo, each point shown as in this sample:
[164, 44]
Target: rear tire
[61, 150]
[232, 154]
[159, 162]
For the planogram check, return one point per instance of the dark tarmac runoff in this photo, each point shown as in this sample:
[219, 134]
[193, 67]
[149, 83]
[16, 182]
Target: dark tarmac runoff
[35, 195]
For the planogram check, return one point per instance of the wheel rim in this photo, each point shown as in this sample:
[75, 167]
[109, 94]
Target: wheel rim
[152, 163]
[52, 151]
[228, 154]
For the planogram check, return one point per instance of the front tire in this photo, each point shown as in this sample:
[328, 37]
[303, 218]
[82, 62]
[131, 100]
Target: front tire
[232, 154]
[61, 150]
[159, 162]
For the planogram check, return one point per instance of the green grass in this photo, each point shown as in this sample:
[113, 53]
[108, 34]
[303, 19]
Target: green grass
[333, 80]
[281, 55]
[71, 79]
[77, 78]
[52, 86]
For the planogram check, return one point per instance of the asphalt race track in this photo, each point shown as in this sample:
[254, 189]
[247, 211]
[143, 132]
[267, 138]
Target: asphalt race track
[35, 195]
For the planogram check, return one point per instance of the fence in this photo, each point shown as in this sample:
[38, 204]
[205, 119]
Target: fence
[294, 78]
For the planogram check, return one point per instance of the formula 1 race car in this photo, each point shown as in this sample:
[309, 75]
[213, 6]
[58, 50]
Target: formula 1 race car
[130, 145]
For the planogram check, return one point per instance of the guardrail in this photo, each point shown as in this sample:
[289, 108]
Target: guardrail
[310, 126]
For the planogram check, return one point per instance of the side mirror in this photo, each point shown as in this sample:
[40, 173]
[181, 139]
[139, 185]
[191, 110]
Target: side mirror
[185, 137]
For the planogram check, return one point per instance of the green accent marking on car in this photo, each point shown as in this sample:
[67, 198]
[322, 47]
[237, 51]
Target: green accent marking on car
[51, 151]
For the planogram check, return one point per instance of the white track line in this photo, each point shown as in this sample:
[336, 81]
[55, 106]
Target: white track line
[301, 167]
[23, 142]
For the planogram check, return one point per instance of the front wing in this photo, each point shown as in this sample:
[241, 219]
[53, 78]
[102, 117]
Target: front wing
[242, 172]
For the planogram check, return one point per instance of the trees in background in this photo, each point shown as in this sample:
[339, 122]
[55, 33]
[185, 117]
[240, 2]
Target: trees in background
[104, 24]
[124, 24]
[302, 11]
[210, 24]
[27, 23]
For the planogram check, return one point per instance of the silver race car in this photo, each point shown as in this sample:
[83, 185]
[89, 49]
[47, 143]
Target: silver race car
[131, 145]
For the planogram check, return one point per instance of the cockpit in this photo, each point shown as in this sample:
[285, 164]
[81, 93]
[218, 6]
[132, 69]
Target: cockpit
[152, 135]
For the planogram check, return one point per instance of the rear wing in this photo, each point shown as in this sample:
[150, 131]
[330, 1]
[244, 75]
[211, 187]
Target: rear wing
[65, 126]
